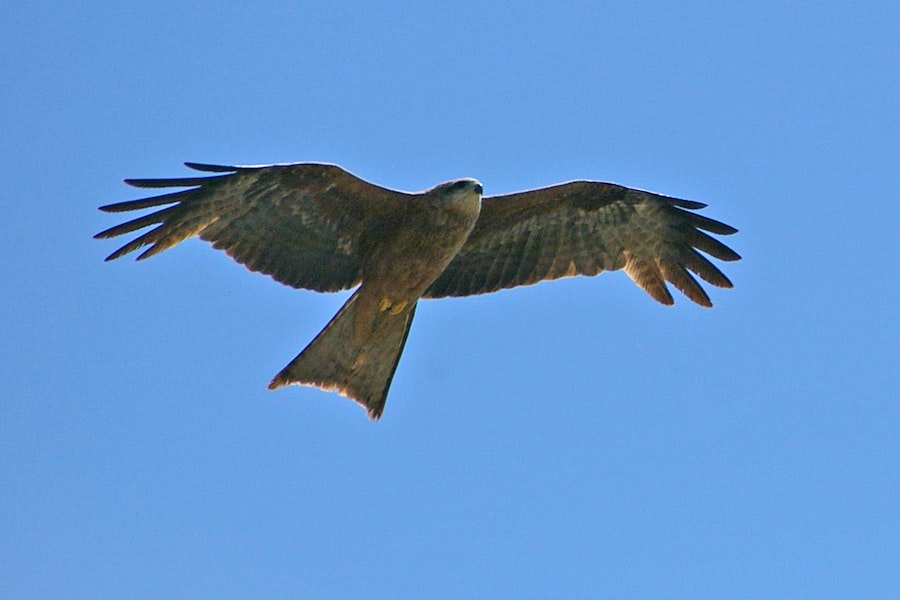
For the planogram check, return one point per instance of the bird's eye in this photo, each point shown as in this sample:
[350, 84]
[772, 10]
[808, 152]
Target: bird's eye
[459, 185]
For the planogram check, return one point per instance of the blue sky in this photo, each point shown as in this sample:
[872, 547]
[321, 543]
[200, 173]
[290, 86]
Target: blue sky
[571, 439]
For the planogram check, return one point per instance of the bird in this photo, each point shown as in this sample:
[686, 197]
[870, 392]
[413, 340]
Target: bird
[316, 226]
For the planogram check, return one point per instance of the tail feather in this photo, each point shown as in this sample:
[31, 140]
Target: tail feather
[333, 361]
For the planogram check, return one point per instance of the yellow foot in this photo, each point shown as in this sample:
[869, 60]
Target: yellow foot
[390, 307]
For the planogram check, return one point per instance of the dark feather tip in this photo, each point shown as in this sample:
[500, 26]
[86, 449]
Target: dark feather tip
[211, 168]
[165, 183]
[689, 204]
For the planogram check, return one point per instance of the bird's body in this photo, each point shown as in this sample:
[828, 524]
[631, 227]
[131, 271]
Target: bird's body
[401, 257]
[319, 227]
[357, 353]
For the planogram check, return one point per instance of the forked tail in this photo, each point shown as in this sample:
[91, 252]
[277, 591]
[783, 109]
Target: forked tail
[333, 361]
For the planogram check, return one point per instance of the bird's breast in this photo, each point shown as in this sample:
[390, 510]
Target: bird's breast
[410, 253]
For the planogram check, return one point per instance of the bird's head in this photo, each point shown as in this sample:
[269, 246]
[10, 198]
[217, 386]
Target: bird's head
[459, 188]
[463, 195]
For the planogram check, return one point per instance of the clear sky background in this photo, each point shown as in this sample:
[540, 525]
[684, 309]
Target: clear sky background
[571, 439]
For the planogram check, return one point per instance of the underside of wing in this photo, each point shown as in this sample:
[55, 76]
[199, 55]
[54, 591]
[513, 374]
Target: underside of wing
[584, 228]
[299, 223]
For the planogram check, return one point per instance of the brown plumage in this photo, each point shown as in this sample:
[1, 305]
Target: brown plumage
[318, 227]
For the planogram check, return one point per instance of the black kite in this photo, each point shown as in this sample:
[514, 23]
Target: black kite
[318, 227]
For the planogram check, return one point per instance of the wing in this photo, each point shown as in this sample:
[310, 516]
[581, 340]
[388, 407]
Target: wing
[299, 223]
[583, 228]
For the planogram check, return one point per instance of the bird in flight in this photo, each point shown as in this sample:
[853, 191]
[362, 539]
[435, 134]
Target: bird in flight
[318, 227]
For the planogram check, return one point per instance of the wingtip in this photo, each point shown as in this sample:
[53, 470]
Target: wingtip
[688, 204]
[724, 283]
[117, 254]
[207, 168]
[730, 230]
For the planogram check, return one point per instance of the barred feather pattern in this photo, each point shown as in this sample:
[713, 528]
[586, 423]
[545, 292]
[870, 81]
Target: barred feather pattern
[298, 223]
[585, 228]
